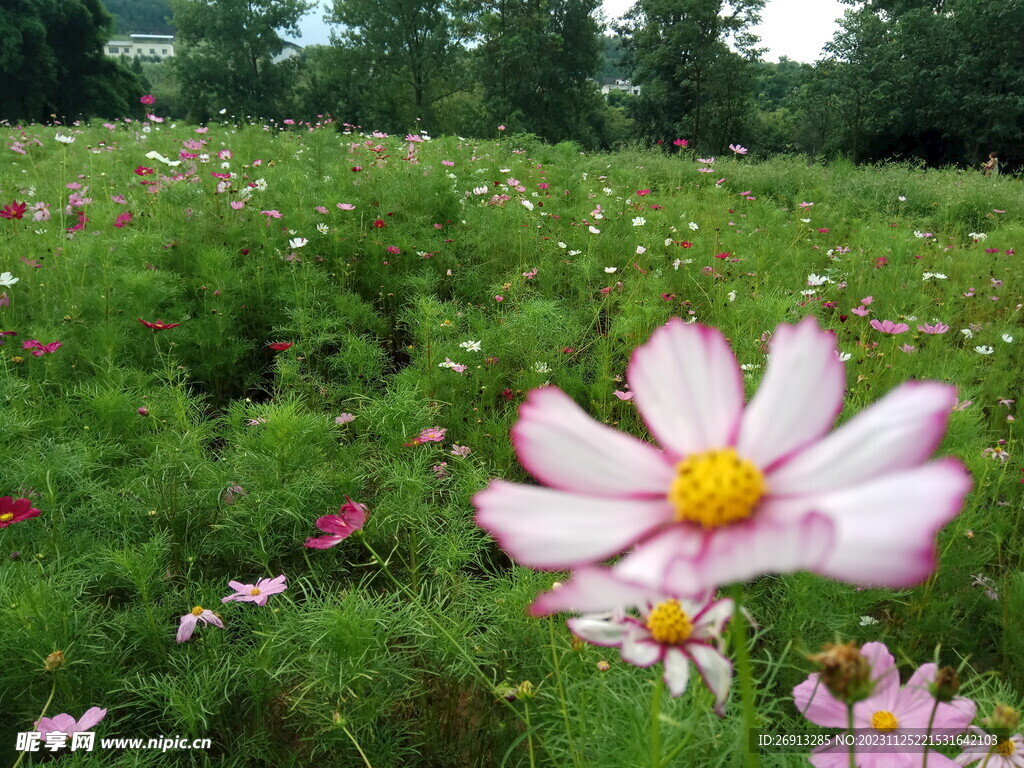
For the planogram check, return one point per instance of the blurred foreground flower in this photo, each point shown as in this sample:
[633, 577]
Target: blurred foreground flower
[735, 492]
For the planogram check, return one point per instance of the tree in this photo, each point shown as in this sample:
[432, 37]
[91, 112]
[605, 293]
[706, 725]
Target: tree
[536, 61]
[411, 51]
[223, 54]
[151, 17]
[52, 62]
[693, 84]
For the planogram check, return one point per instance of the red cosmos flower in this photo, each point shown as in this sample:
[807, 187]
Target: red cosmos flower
[686, 244]
[39, 349]
[280, 346]
[143, 171]
[350, 518]
[148, 99]
[13, 210]
[642, 192]
[159, 325]
[379, 223]
[122, 219]
[15, 510]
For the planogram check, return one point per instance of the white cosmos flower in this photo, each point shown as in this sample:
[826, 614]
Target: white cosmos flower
[843, 356]
[732, 295]
[934, 275]
[541, 368]
[594, 230]
[470, 346]
[813, 279]
[640, 250]
[297, 242]
[1008, 338]
[694, 226]
[7, 279]
[984, 350]
[527, 204]
[64, 139]
[609, 270]
[806, 221]
[967, 332]
[323, 229]
[639, 221]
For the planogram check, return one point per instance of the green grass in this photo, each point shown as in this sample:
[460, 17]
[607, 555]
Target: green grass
[346, 668]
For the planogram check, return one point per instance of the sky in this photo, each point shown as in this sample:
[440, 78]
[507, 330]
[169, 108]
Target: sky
[794, 28]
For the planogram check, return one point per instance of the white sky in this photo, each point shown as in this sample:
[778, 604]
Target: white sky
[794, 28]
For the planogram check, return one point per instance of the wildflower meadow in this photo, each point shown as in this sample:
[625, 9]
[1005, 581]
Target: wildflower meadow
[328, 447]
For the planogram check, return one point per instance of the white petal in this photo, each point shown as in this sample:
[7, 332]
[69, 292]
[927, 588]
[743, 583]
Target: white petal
[543, 528]
[561, 446]
[605, 632]
[639, 648]
[898, 432]
[688, 387]
[595, 590]
[649, 562]
[677, 671]
[799, 398]
[715, 669]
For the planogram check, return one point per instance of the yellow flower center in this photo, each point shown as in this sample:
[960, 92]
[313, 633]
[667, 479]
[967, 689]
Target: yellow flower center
[884, 721]
[1005, 748]
[6, 516]
[253, 592]
[669, 623]
[197, 611]
[715, 488]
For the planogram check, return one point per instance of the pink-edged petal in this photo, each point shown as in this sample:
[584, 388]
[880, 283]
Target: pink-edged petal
[91, 717]
[211, 618]
[639, 648]
[715, 669]
[754, 547]
[561, 446]
[676, 671]
[543, 528]
[800, 395]
[709, 622]
[594, 590]
[650, 561]
[688, 387]
[815, 702]
[323, 542]
[187, 627]
[605, 632]
[898, 432]
[885, 530]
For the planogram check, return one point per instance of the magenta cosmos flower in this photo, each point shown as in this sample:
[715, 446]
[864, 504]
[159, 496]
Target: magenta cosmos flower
[670, 628]
[350, 518]
[888, 326]
[15, 510]
[192, 618]
[733, 492]
[256, 593]
[889, 710]
[65, 723]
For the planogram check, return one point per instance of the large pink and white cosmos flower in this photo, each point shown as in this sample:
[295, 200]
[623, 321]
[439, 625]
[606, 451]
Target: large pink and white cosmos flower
[734, 491]
[671, 628]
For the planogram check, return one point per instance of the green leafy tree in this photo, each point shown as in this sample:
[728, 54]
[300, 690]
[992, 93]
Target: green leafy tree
[151, 17]
[693, 61]
[52, 62]
[536, 63]
[410, 52]
[224, 51]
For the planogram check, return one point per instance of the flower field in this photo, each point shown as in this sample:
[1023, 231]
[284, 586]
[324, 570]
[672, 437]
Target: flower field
[339, 448]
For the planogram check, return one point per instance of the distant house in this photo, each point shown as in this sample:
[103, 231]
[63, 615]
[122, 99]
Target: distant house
[620, 85]
[159, 46]
[288, 51]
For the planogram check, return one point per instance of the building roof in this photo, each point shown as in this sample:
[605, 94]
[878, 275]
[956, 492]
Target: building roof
[169, 38]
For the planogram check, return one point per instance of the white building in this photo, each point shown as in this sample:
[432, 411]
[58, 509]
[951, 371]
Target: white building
[620, 85]
[288, 51]
[160, 46]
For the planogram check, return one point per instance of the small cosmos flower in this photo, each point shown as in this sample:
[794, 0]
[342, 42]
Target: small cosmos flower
[192, 618]
[350, 518]
[256, 593]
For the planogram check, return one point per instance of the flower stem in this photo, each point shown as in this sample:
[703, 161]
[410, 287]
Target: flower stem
[928, 733]
[561, 694]
[744, 672]
[849, 725]
[659, 687]
[42, 714]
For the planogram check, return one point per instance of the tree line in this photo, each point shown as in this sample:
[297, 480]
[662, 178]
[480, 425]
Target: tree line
[925, 79]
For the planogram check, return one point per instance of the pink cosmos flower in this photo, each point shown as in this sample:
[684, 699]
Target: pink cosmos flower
[237, 204]
[933, 329]
[461, 450]
[888, 326]
[149, 99]
[733, 492]
[738, 149]
[65, 723]
[350, 518]
[123, 219]
[889, 710]
[192, 618]
[681, 143]
[623, 395]
[258, 593]
[39, 349]
[1006, 754]
[671, 629]
[15, 510]
[344, 418]
[346, 206]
